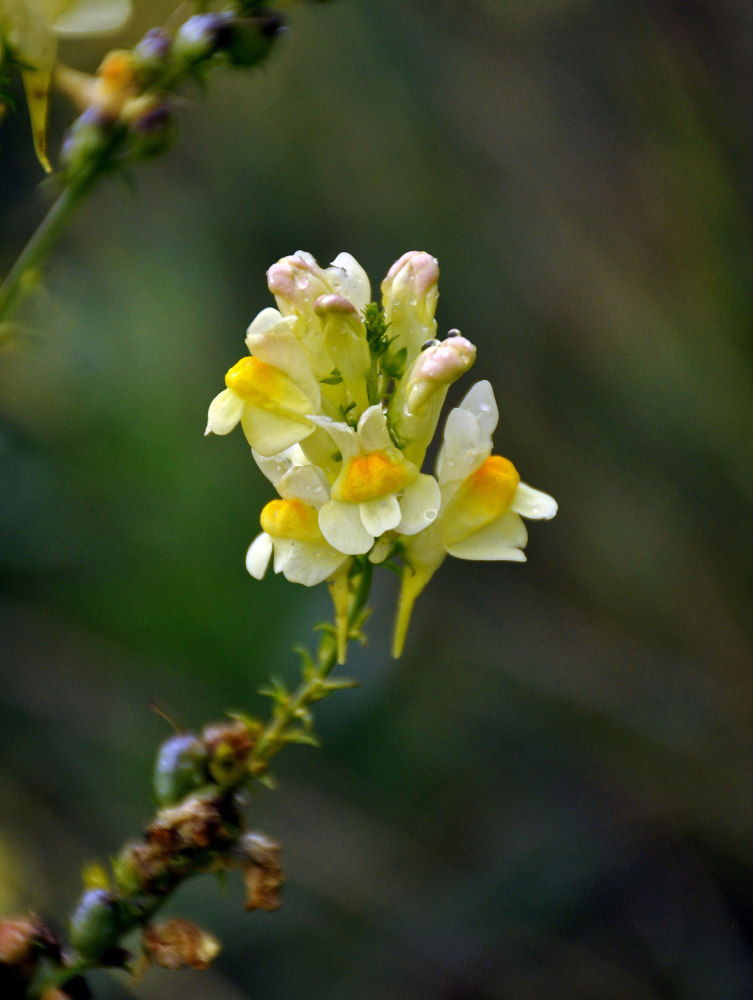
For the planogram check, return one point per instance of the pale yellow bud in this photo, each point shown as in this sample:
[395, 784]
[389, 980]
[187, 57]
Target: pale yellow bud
[345, 344]
[409, 297]
[437, 368]
[416, 406]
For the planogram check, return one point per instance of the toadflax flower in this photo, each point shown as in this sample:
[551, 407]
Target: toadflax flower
[340, 400]
[483, 503]
[377, 489]
[29, 31]
[271, 392]
[291, 524]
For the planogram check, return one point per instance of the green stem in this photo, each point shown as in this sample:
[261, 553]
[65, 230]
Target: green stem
[312, 687]
[23, 275]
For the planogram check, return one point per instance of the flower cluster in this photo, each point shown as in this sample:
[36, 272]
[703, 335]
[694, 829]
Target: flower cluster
[29, 31]
[340, 400]
[126, 103]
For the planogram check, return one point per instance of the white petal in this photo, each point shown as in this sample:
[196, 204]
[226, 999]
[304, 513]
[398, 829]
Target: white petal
[341, 525]
[303, 562]
[372, 429]
[533, 503]
[304, 482]
[502, 539]
[224, 412]
[344, 437]
[380, 514]
[279, 347]
[257, 557]
[266, 320]
[308, 257]
[480, 401]
[464, 447]
[274, 467]
[419, 505]
[349, 279]
[270, 433]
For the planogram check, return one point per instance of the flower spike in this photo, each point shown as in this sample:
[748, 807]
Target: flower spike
[340, 401]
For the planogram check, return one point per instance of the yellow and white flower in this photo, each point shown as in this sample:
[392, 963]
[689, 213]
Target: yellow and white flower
[483, 498]
[340, 402]
[377, 489]
[29, 31]
[271, 392]
[483, 503]
[290, 525]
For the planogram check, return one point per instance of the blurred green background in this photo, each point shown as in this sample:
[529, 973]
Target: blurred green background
[550, 797]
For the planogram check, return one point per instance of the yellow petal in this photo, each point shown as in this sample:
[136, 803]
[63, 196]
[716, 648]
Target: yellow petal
[267, 387]
[291, 519]
[483, 497]
[373, 475]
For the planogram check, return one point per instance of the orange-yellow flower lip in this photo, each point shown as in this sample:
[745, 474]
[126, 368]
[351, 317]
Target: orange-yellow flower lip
[291, 519]
[484, 496]
[372, 475]
[265, 386]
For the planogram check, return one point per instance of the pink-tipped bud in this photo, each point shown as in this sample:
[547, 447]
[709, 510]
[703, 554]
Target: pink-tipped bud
[416, 269]
[437, 367]
[409, 296]
[416, 406]
[296, 282]
[334, 304]
[346, 345]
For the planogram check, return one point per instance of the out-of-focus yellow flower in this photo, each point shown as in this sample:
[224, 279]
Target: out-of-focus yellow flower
[377, 490]
[29, 31]
[483, 503]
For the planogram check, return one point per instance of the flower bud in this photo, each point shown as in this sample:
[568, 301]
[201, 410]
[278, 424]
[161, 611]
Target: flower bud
[151, 126]
[409, 296]
[151, 54]
[180, 769]
[441, 364]
[83, 140]
[415, 408]
[296, 282]
[200, 36]
[97, 924]
[346, 345]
